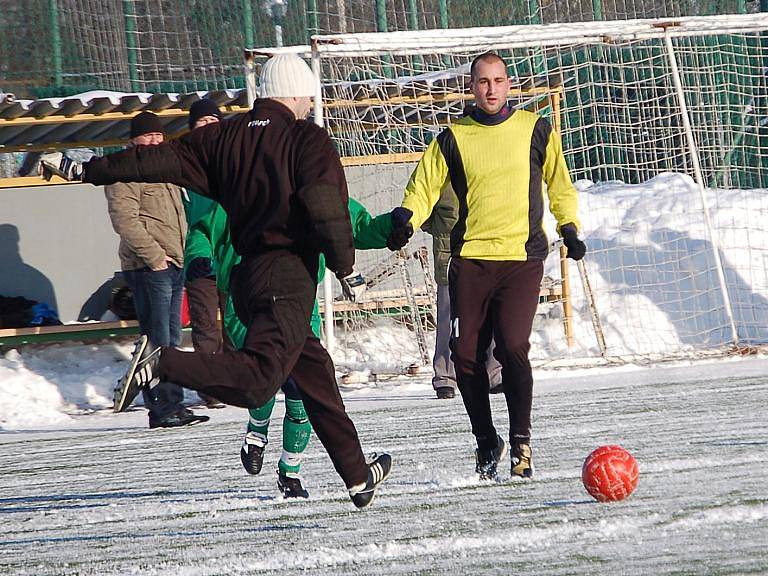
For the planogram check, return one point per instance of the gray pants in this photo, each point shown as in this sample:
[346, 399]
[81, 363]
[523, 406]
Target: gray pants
[445, 375]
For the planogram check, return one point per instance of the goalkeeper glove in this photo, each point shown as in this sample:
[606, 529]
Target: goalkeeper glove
[401, 229]
[353, 286]
[59, 164]
[576, 248]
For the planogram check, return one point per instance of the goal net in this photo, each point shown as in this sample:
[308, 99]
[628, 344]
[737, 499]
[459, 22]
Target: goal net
[665, 130]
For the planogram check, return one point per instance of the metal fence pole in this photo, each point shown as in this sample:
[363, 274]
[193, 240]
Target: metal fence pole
[330, 335]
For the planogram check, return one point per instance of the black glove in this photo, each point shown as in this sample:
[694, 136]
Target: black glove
[353, 286]
[576, 248]
[200, 267]
[59, 164]
[401, 228]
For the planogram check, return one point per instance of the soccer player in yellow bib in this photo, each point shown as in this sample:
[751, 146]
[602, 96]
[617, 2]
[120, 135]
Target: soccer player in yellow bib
[497, 160]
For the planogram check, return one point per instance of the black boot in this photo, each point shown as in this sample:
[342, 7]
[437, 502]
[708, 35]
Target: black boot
[290, 486]
[252, 452]
[488, 459]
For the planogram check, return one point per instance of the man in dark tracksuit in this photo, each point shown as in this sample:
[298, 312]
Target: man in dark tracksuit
[496, 160]
[281, 182]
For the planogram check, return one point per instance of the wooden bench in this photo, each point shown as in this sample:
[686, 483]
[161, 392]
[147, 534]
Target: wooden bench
[81, 331]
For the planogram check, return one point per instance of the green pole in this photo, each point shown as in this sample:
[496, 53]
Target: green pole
[413, 24]
[534, 16]
[130, 44]
[312, 15]
[55, 42]
[762, 176]
[443, 12]
[248, 23]
[597, 9]
[381, 26]
[413, 15]
[381, 16]
[741, 7]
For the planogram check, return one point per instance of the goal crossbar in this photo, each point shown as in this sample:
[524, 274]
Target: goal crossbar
[527, 36]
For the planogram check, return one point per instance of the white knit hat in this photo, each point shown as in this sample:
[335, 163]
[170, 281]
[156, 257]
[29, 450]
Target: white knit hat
[286, 76]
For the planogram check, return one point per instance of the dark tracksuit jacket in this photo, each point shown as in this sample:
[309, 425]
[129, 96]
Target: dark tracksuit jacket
[282, 185]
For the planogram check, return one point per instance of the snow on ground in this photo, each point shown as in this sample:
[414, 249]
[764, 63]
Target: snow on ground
[105, 495]
[86, 491]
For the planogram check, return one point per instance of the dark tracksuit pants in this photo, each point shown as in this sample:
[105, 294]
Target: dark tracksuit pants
[273, 294]
[205, 301]
[494, 299]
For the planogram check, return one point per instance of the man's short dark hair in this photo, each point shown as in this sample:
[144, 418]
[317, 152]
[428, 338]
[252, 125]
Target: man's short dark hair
[489, 56]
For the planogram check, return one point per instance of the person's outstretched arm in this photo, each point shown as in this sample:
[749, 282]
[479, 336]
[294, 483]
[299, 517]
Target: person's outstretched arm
[183, 161]
[369, 233]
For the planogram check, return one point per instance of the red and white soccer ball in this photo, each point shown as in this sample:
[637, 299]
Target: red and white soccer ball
[610, 473]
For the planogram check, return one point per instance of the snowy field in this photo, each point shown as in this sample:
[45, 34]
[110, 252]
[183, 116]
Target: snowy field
[99, 493]
[86, 491]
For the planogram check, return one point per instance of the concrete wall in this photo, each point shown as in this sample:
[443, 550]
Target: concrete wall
[57, 246]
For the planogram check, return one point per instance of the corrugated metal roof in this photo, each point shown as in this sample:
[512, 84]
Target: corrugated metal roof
[97, 118]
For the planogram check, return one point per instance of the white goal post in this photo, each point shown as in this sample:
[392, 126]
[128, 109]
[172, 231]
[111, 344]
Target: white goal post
[673, 109]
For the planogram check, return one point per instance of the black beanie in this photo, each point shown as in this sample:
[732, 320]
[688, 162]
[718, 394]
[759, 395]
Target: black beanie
[145, 123]
[201, 108]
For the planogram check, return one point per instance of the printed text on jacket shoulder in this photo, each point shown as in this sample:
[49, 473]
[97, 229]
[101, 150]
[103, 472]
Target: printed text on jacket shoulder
[258, 123]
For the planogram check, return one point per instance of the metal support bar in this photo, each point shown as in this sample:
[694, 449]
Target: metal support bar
[693, 153]
[330, 336]
[413, 309]
[566, 301]
[596, 324]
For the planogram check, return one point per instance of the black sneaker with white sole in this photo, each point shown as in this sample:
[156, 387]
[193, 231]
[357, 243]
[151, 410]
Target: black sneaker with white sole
[125, 393]
[180, 418]
[141, 373]
[487, 460]
[290, 486]
[252, 452]
[378, 469]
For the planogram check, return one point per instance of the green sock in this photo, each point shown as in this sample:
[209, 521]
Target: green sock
[258, 418]
[296, 432]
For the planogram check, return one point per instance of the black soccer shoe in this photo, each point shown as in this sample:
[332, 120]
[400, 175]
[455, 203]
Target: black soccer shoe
[252, 452]
[487, 460]
[522, 459]
[125, 393]
[445, 393]
[183, 417]
[362, 495]
[141, 373]
[290, 486]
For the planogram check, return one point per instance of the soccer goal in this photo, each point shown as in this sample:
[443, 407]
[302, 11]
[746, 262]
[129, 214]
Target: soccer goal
[665, 129]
